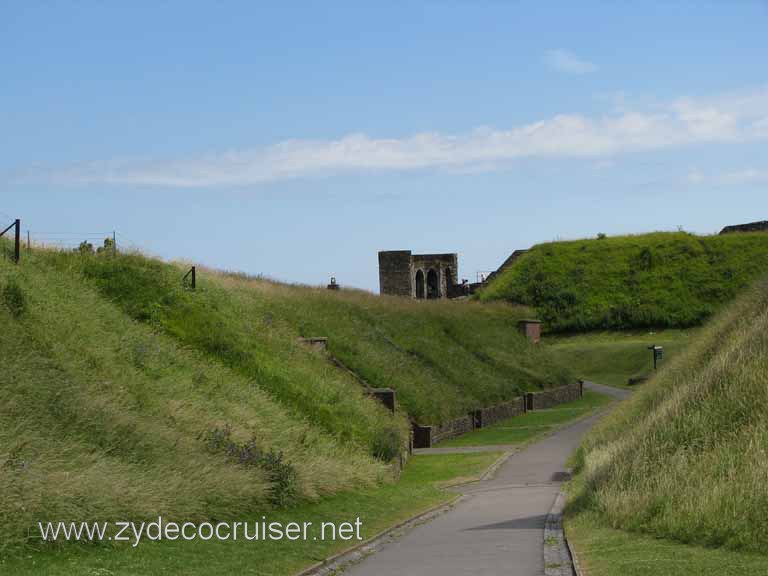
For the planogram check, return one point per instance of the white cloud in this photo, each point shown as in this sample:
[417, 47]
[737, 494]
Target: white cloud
[744, 176]
[695, 176]
[684, 122]
[568, 63]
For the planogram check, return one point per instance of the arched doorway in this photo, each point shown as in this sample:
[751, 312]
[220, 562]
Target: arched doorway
[433, 284]
[420, 284]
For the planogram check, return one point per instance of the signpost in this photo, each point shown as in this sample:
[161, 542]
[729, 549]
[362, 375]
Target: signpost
[658, 354]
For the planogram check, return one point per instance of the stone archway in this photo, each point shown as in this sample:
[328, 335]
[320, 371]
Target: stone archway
[420, 292]
[433, 284]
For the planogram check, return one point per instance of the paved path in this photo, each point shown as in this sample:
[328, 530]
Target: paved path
[498, 526]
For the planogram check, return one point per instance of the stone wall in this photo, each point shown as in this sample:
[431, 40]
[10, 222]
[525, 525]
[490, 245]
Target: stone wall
[427, 436]
[487, 416]
[452, 428]
[395, 273]
[399, 269]
[549, 398]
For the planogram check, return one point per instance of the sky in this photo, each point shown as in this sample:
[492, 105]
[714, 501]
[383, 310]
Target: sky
[296, 140]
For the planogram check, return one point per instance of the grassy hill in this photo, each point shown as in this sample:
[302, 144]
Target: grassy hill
[685, 458]
[125, 395]
[442, 358]
[662, 280]
[102, 417]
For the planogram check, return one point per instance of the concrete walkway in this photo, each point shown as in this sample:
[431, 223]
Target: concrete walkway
[498, 527]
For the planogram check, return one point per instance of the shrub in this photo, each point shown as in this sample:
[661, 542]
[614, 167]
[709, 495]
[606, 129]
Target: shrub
[387, 444]
[13, 298]
[281, 474]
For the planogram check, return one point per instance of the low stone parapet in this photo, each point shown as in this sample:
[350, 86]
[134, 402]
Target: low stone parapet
[554, 396]
[427, 436]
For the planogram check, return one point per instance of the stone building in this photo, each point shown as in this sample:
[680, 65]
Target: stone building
[751, 227]
[419, 275]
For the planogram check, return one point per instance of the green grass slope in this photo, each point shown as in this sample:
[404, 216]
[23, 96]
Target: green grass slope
[650, 280]
[613, 357]
[442, 358]
[102, 417]
[126, 396]
[686, 458]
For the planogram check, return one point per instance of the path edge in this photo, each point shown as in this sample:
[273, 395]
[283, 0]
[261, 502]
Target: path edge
[359, 551]
[558, 560]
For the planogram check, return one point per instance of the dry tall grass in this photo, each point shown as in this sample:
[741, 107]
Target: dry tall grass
[687, 457]
[104, 418]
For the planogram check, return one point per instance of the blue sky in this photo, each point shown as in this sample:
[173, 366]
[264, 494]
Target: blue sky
[296, 140]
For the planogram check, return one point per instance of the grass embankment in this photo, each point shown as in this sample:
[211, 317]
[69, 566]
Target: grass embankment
[126, 396]
[661, 280]
[442, 358]
[529, 426]
[104, 418]
[419, 489]
[686, 458]
[611, 358]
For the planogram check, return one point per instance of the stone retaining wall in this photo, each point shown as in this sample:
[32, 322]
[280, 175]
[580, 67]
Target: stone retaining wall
[427, 436]
[452, 428]
[553, 397]
[487, 416]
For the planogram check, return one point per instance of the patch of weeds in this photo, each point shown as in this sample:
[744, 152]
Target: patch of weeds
[282, 475]
[14, 299]
[15, 460]
[386, 445]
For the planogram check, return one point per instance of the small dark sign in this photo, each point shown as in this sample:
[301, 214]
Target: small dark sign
[658, 354]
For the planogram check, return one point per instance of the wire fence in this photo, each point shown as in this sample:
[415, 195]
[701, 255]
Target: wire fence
[67, 239]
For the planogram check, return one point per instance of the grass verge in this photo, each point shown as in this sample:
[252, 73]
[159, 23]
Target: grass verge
[419, 489]
[611, 358]
[604, 551]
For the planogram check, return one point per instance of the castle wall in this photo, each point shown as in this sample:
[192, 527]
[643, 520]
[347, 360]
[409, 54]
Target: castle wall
[395, 275]
[398, 270]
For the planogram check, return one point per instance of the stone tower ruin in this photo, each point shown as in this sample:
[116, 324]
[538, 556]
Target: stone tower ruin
[429, 276]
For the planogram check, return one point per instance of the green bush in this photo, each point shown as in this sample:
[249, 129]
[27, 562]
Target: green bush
[388, 444]
[13, 298]
[281, 474]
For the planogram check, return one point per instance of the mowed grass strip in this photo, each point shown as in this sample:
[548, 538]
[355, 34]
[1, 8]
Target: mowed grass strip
[418, 490]
[530, 425]
[612, 358]
[605, 551]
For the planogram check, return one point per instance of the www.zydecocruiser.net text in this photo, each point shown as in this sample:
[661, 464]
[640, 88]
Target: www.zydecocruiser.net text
[262, 530]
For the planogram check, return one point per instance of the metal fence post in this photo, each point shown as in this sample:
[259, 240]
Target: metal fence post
[17, 241]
